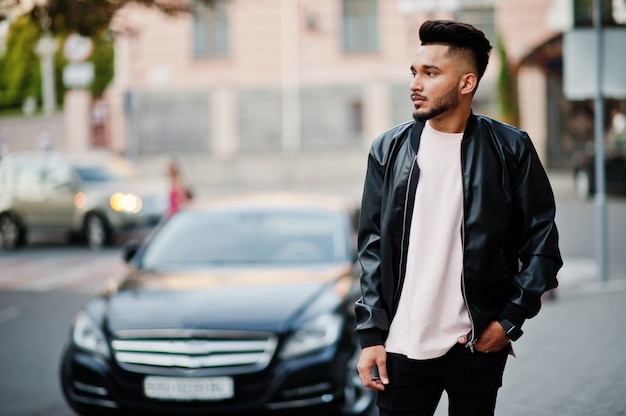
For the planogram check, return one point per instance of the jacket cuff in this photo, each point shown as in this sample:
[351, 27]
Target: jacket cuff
[371, 337]
[514, 314]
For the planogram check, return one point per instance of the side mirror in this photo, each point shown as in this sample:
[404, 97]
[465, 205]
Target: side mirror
[355, 215]
[130, 249]
[64, 185]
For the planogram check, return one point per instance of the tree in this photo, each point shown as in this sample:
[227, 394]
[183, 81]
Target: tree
[20, 75]
[87, 17]
[19, 67]
[506, 86]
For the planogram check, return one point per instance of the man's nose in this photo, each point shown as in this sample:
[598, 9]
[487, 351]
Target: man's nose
[415, 84]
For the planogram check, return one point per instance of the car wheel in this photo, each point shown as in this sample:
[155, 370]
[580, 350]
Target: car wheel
[582, 183]
[357, 400]
[12, 233]
[97, 231]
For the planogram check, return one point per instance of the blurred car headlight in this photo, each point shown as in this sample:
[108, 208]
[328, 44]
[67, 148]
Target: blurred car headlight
[129, 203]
[315, 334]
[87, 335]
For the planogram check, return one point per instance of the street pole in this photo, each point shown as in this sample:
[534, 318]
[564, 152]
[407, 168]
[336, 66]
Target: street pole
[45, 48]
[600, 195]
[290, 63]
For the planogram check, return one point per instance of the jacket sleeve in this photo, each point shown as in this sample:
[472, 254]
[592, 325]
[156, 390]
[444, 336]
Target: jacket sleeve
[538, 248]
[372, 321]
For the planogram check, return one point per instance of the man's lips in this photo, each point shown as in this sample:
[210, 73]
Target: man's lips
[417, 99]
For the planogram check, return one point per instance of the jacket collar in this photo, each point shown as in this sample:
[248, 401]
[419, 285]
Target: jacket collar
[418, 127]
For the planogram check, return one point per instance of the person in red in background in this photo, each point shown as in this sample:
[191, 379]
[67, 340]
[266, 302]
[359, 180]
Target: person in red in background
[179, 194]
[99, 118]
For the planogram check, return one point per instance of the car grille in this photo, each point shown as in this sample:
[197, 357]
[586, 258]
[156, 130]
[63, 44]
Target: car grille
[230, 352]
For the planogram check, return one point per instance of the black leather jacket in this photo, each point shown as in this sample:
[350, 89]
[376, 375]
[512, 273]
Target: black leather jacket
[510, 241]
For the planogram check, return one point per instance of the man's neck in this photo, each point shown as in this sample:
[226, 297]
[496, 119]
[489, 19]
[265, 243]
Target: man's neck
[453, 121]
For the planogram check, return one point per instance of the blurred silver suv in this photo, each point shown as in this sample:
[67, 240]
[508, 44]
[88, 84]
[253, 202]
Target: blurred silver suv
[94, 195]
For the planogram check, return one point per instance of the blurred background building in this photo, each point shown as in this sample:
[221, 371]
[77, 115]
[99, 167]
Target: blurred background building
[236, 86]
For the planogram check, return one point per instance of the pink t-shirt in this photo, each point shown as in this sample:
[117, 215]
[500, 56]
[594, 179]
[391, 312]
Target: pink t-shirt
[432, 313]
[178, 195]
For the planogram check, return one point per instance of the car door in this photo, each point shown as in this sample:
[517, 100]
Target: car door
[58, 190]
[27, 196]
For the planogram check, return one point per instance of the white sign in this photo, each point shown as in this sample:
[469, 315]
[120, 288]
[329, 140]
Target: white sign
[77, 48]
[176, 388]
[580, 69]
[78, 75]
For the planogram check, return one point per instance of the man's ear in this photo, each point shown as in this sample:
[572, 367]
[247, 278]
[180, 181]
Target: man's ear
[468, 83]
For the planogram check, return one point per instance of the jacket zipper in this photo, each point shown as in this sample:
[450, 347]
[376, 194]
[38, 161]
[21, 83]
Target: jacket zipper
[472, 336]
[406, 203]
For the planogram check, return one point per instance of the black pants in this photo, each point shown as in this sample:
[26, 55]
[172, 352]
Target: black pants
[471, 381]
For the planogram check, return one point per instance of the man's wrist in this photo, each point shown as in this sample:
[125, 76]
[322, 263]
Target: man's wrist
[513, 332]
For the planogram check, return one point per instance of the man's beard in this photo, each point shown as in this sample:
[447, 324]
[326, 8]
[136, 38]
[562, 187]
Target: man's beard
[445, 103]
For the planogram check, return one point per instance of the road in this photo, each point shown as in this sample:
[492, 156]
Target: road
[41, 287]
[570, 362]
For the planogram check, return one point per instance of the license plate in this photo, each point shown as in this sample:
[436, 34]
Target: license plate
[172, 388]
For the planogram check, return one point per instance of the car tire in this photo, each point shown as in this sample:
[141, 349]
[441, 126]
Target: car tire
[13, 234]
[583, 184]
[357, 400]
[97, 232]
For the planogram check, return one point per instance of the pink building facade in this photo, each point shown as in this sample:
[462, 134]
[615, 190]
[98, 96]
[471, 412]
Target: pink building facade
[273, 75]
[243, 77]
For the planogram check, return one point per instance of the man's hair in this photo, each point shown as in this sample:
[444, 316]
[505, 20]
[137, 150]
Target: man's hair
[462, 38]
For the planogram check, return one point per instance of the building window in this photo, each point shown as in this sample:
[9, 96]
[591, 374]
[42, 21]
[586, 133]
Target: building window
[360, 26]
[481, 16]
[210, 28]
[583, 13]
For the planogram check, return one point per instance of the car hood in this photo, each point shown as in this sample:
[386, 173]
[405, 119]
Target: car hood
[263, 300]
[139, 187]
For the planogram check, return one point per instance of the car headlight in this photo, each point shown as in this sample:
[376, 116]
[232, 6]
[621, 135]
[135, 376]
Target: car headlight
[129, 203]
[314, 335]
[87, 335]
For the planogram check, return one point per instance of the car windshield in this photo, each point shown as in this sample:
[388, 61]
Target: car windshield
[234, 238]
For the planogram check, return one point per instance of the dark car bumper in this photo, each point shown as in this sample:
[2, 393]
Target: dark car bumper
[90, 382]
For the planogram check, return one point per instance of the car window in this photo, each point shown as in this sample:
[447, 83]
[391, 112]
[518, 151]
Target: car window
[112, 171]
[57, 177]
[96, 174]
[251, 237]
[56, 173]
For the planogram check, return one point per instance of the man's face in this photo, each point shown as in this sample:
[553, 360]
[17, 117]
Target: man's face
[435, 87]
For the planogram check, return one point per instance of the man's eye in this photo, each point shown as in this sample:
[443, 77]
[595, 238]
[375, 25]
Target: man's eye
[412, 74]
[430, 73]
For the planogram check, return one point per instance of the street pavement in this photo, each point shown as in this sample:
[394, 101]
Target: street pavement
[69, 268]
[571, 360]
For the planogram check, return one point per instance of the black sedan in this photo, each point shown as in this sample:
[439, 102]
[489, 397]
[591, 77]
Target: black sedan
[241, 305]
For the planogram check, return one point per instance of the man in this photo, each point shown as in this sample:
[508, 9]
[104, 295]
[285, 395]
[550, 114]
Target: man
[457, 239]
